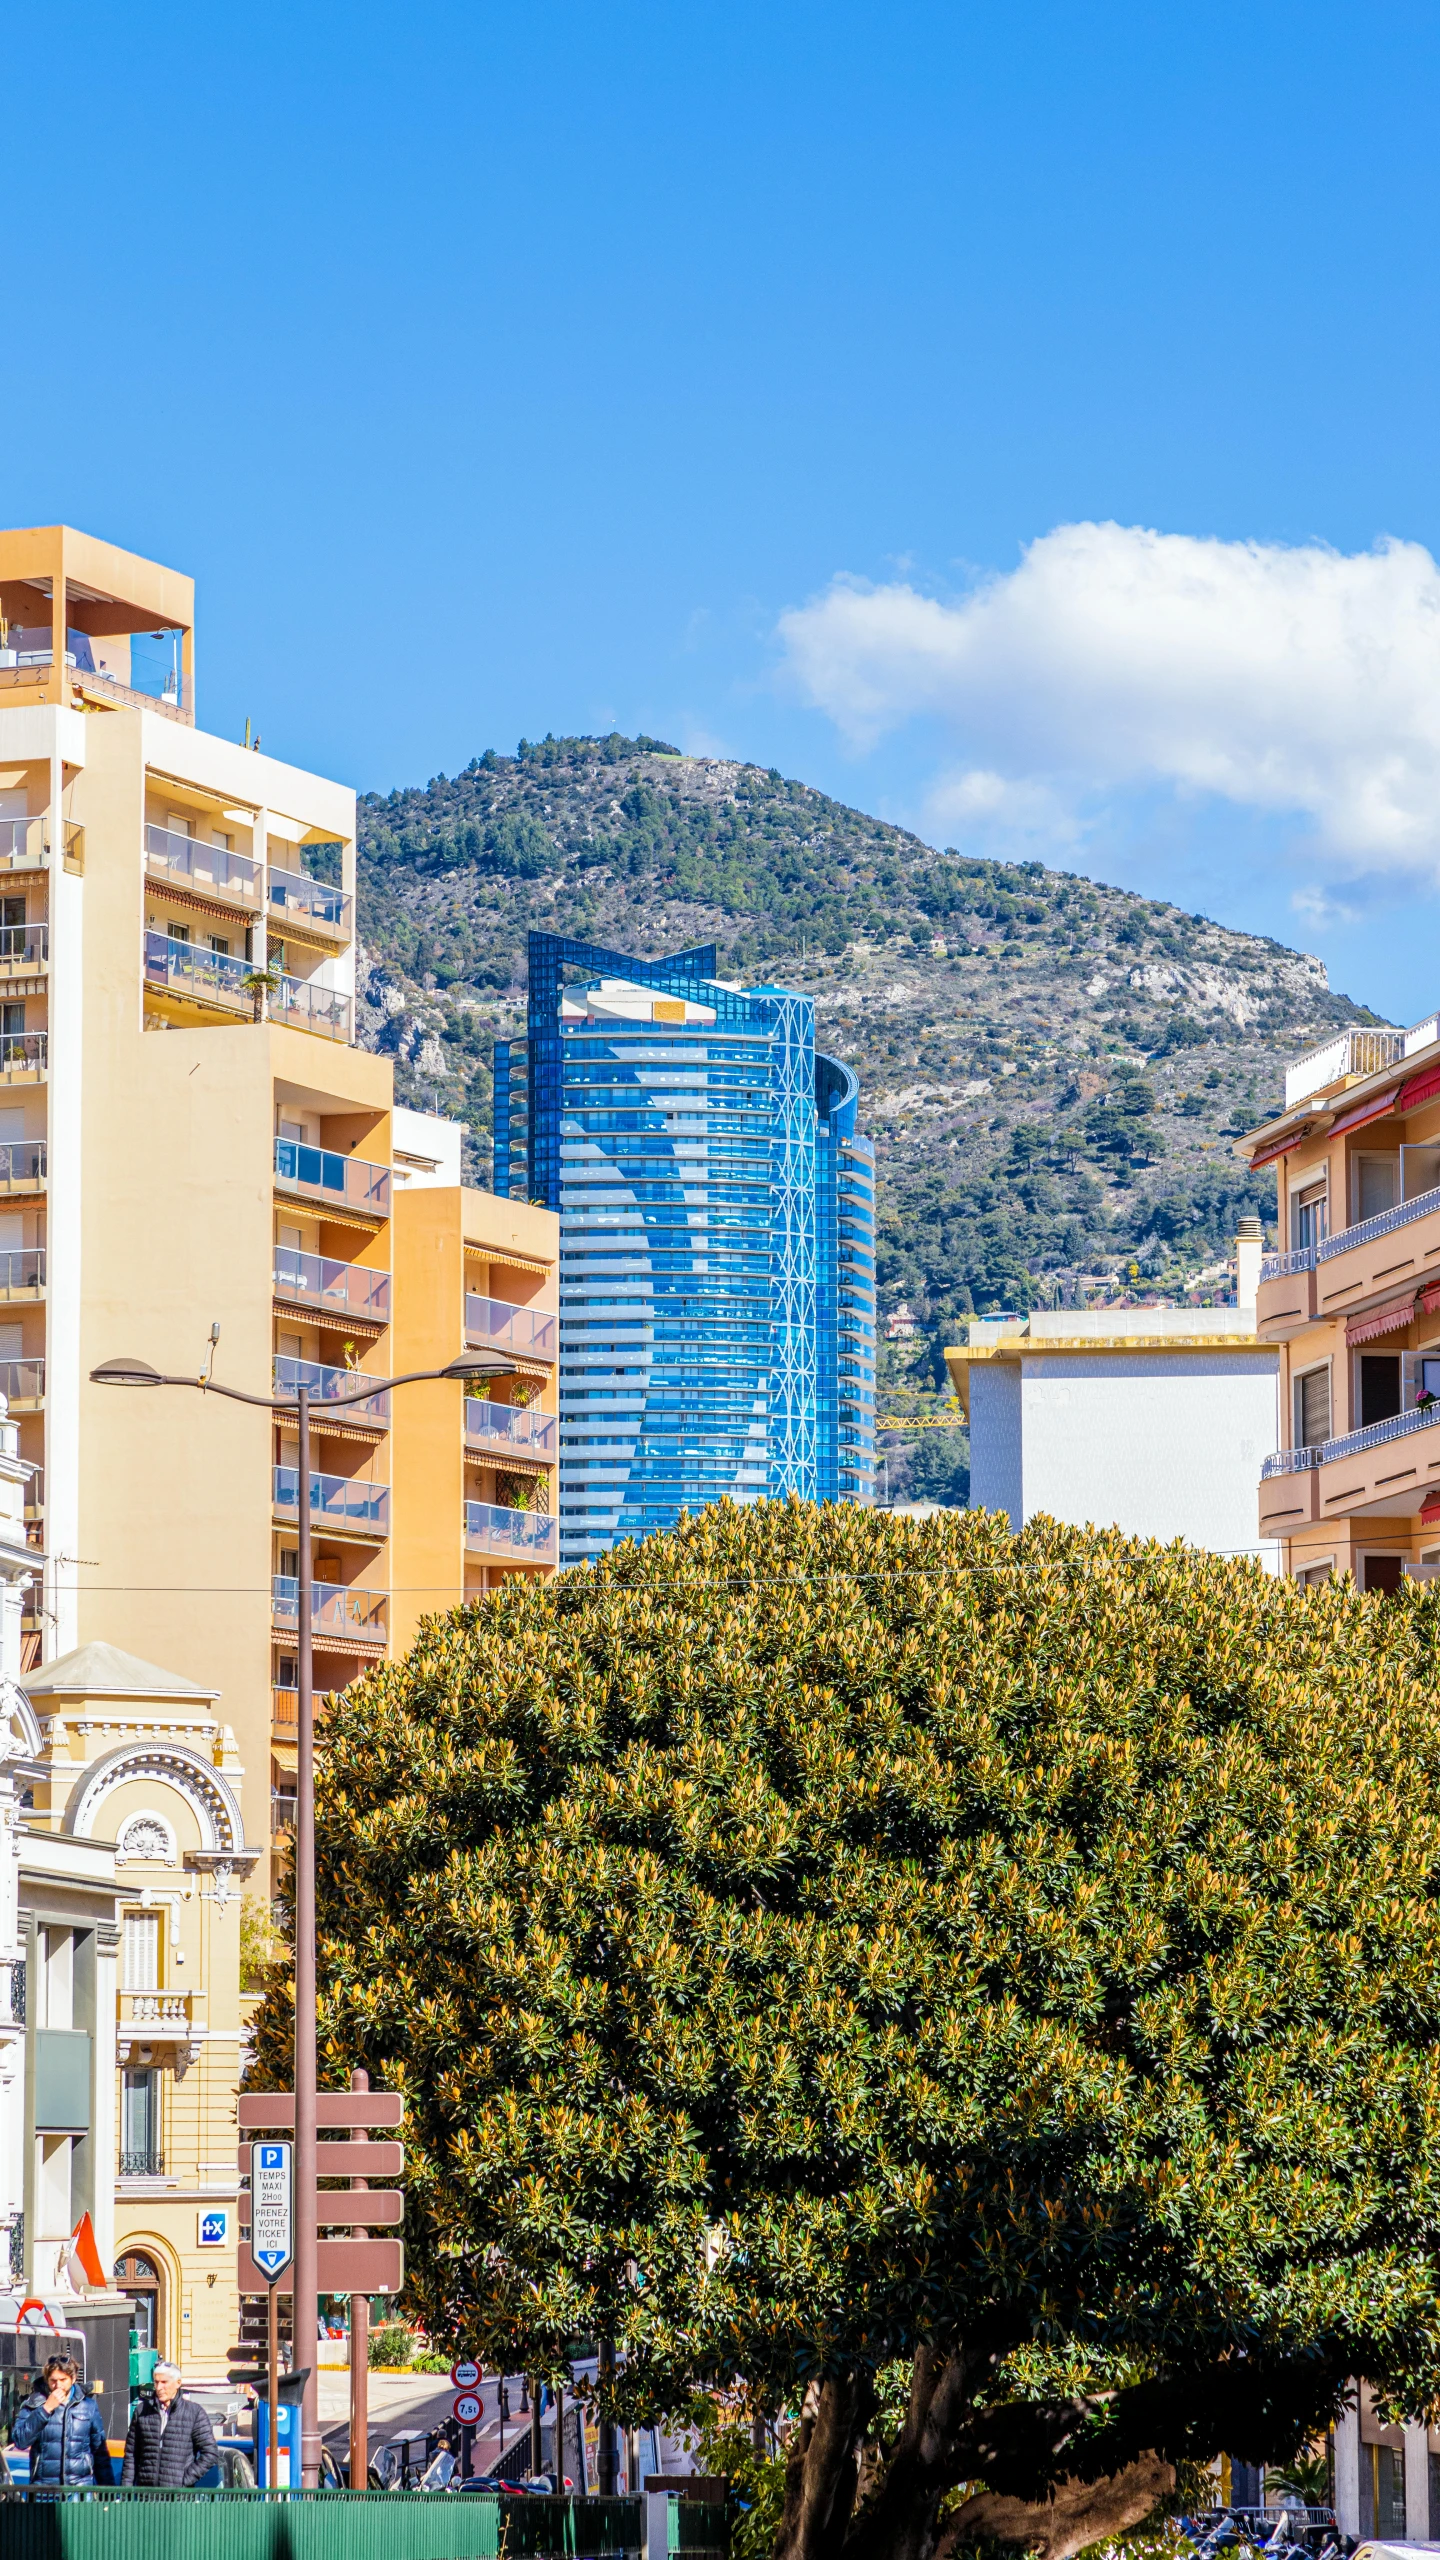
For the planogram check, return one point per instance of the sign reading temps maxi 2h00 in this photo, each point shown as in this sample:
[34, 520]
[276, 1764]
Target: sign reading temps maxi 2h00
[272, 2207]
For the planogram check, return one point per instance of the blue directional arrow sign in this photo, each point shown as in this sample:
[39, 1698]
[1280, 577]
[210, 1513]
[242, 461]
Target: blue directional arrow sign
[272, 2206]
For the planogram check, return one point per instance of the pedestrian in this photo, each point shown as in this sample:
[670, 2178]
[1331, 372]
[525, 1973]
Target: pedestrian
[62, 2425]
[171, 2443]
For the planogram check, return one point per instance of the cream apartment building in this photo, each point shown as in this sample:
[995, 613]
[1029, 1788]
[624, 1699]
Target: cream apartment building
[1351, 1299]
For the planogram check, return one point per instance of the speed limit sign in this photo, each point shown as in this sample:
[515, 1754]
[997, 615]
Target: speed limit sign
[464, 2374]
[467, 2408]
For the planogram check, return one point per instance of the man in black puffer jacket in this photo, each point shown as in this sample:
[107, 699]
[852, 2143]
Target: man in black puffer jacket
[171, 2443]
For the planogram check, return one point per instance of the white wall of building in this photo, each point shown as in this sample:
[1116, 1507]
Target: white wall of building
[1161, 1444]
[426, 1149]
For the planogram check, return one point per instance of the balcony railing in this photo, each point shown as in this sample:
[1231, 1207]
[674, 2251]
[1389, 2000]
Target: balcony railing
[310, 1008]
[348, 1179]
[326, 1385]
[23, 1053]
[142, 2164]
[211, 868]
[343, 1502]
[1370, 1230]
[294, 893]
[24, 946]
[165, 2012]
[1352, 1444]
[21, 1163]
[344, 1288]
[1282, 1266]
[533, 1537]
[1351, 1053]
[22, 1381]
[512, 1426]
[24, 844]
[490, 1321]
[285, 1704]
[336, 1608]
[22, 1268]
[193, 969]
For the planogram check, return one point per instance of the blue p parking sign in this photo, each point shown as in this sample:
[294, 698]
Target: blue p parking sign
[272, 2207]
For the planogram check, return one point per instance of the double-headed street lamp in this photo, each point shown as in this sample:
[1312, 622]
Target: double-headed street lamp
[138, 1373]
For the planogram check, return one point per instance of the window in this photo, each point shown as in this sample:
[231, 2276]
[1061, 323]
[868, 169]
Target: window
[140, 2155]
[177, 932]
[139, 2276]
[1308, 1216]
[1377, 1185]
[140, 1950]
[1311, 1576]
[1427, 1379]
[1388, 2474]
[1312, 1408]
[1379, 1386]
[219, 943]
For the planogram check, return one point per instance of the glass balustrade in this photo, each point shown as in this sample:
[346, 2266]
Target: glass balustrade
[336, 1608]
[24, 946]
[510, 1425]
[22, 1161]
[348, 1502]
[294, 893]
[346, 1288]
[23, 1052]
[492, 1321]
[22, 1381]
[333, 1386]
[310, 1008]
[22, 1268]
[193, 969]
[23, 843]
[319, 1171]
[532, 1537]
[207, 867]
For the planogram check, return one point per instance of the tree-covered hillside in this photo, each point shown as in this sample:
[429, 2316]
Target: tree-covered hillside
[1051, 1069]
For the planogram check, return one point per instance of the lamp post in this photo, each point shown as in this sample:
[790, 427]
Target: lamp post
[138, 1373]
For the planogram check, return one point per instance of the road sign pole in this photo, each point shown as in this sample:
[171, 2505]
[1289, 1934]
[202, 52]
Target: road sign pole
[306, 2302]
[272, 2386]
[360, 2350]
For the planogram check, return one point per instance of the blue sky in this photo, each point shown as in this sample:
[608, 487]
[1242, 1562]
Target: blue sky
[503, 371]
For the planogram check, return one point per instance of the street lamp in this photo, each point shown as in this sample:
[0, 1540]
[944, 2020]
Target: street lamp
[138, 1373]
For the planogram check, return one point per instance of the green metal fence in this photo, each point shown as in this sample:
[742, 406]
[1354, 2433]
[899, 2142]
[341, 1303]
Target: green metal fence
[247, 2524]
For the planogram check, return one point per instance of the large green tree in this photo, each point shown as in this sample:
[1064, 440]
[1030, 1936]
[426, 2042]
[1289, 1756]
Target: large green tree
[981, 1990]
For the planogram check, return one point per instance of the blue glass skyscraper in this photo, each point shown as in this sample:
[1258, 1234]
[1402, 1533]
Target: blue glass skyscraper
[717, 1237]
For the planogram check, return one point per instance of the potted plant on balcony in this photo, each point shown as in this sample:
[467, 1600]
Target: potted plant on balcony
[261, 984]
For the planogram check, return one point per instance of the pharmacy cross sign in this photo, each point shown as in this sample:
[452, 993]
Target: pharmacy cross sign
[272, 2208]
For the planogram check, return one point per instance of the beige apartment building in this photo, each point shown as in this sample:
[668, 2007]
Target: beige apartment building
[197, 1164]
[1352, 1300]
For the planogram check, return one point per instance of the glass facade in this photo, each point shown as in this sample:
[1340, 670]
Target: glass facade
[717, 1273]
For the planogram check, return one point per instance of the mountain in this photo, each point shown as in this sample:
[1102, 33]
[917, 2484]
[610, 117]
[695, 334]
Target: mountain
[1051, 1069]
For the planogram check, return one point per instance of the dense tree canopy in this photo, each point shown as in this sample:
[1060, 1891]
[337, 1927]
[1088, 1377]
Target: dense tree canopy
[983, 1990]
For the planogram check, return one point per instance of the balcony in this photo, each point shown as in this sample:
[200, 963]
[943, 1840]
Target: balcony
[511, 1537]
[22, 1383]
[310, 909]
[492, 1325]
[347, 1180]
[344, 1289]
[1390, 1466]
[285, 1707]
[24, 951]
[326, 1386]
[356, 1503]
[22, 1272]
[24, 1057]
[191, 971]
[340, 1611]
[1330, 1278]
[306, 1007]
[162, 2014]
[22, 1165]
[1340, 1061]
[142, 2164]
[210, 871]
[509, 1426]
[24, 844]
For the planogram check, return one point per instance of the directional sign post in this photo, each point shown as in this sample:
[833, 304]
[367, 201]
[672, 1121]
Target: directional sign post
[272, 2246]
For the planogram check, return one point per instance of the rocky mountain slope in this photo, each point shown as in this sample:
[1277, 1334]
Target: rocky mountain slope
[1050, 1069]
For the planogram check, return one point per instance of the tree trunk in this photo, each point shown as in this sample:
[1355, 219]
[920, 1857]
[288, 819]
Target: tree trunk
[821, 2465]
[1077, 2512]
[900, 2521]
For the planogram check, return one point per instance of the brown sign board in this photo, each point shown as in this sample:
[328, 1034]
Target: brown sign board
[336, 2111]
[348, 2159]
[349, 2205]
[345, 2266]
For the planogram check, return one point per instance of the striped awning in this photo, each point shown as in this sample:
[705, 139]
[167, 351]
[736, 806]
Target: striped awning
[1375, 1109]
[1277, 1147]
[1388, 1319]
[1422, 1088]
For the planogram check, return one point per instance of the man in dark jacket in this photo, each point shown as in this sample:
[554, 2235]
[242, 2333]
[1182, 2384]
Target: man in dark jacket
[63, 2427]
[171, 2443]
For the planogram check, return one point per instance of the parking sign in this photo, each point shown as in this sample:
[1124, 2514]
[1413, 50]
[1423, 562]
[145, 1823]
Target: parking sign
[272, 2207]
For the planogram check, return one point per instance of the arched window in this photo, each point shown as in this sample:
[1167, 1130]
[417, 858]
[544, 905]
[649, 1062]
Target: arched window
[140, 2277]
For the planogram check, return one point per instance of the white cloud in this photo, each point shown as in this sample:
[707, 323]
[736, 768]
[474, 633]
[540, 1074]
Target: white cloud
[1299, 681]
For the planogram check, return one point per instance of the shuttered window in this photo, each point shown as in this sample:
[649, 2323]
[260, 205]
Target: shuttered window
[140, 1952]
[1312, 1408]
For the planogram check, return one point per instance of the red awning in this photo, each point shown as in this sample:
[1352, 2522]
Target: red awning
[1381, 1320]
[1429, 1299]
[1421, 1088]
[1280, 1146]
[1375, 1109]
